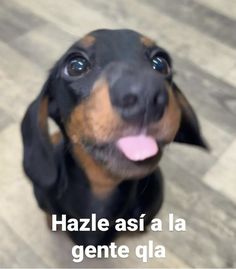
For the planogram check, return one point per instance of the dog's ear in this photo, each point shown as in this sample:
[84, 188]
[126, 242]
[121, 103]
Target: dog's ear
[189, 131]
[39, 159]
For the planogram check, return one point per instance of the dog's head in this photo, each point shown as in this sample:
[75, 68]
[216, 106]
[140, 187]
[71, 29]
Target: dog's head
[113, 96]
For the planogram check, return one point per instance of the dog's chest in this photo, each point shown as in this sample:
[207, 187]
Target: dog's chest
[79, 201]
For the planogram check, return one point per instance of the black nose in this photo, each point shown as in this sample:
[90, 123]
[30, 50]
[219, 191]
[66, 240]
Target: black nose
[141, 97]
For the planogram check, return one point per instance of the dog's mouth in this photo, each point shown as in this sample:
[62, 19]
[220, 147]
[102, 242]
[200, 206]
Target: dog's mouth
[131, 156]
[138, 147]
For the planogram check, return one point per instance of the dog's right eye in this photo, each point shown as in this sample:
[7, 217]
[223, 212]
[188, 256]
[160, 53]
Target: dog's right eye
[76, 66]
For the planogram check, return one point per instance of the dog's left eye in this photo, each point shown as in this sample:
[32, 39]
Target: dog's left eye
[76, 66]
[161, 65]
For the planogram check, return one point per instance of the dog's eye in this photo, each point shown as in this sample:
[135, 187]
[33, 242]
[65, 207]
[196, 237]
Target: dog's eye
[76, 66]
[161, 65]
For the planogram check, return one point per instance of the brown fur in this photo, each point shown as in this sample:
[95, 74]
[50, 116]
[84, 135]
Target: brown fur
[95, 119]
[101, 182]
[87, 41]
[43, 122]
[147, 42]
[43, 114]
[184, 104]
[49, 221]
[56, 138]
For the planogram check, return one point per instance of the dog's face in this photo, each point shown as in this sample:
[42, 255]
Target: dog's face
[124, 108]
[113, 96]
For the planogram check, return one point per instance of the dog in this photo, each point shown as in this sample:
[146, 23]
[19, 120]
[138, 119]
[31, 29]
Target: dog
[114, 100]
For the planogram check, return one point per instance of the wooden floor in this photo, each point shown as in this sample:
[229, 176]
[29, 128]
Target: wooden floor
[200, 186]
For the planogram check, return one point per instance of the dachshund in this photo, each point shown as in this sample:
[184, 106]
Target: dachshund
[113, 97]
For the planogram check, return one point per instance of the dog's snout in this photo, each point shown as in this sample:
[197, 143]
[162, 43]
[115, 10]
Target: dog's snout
[139, 97]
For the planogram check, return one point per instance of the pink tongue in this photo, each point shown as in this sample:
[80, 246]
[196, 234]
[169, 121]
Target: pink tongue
[138, 148]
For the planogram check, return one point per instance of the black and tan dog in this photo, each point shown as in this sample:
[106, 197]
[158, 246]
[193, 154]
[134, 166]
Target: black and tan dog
[113, 97]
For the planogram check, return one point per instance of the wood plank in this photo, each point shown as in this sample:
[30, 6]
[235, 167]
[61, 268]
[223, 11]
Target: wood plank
[5, 119]
[11, 156]
[211, 220]
[222, 176]
[212, 98]
[226, 8]
[15, 252]
[201, 17]
[15, 21]
[76, 20]
[20, 69]
[173, 35]
[199, 160]
[14, 98]
[50, 41]
[30, 224]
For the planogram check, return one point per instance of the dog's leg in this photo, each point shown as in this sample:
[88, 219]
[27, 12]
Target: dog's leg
[149, 197]
[56, 138]
[49, 220]
[93, 238]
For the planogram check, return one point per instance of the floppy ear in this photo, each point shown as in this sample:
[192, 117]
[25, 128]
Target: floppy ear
[189, 131]
[39, 160]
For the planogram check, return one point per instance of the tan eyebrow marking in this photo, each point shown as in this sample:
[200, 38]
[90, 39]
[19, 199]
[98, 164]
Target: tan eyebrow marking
[87, 41]
[147, 41]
